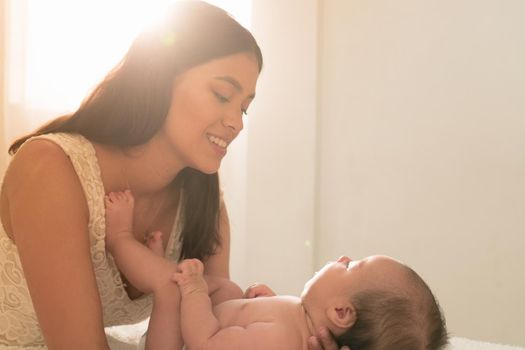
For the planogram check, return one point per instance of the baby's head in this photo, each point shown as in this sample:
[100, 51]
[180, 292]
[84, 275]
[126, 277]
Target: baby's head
[375, 303]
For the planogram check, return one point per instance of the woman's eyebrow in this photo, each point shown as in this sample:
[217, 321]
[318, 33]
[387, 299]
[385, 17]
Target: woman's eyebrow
[234, 83]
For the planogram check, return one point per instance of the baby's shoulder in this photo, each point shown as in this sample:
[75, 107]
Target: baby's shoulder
[293, 320]
[287, 316]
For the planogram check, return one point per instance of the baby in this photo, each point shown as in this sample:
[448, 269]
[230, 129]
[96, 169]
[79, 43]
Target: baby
[373, 303]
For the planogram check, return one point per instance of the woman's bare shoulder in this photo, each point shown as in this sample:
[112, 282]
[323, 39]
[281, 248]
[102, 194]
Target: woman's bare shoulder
[38, 158]
[41, 168]
[38, 147]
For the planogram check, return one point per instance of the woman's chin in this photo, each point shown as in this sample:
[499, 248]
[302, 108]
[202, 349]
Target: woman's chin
[208, 170]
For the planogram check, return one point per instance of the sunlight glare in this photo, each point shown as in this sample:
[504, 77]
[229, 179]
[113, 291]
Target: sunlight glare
[71, 45]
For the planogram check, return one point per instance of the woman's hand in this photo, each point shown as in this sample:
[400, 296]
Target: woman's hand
[323, 340]
[258, 290]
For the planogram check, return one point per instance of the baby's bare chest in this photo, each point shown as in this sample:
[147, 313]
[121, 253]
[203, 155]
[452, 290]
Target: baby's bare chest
[285, 313]
[242, 312]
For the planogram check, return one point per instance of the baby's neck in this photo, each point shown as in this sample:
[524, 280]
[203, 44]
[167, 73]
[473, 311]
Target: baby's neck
[309, 321]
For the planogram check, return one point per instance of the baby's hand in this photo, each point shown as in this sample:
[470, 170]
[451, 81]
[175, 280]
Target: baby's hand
[257, 290]
[189, 277]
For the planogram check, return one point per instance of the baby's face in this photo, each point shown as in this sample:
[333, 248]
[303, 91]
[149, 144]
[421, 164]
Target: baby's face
[347, 277]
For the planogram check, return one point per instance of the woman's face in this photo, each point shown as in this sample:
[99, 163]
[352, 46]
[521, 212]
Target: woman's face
[207, 106]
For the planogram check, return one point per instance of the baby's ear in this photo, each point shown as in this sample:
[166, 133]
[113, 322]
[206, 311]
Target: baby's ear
[342, 315]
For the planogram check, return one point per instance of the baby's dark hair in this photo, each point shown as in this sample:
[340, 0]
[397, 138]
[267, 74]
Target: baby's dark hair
[394, 320]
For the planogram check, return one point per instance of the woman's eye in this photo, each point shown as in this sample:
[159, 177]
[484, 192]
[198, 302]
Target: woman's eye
[221, 98]
[224, 99]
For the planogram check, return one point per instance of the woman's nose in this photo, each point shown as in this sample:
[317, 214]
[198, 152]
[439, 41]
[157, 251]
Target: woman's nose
[233, 122]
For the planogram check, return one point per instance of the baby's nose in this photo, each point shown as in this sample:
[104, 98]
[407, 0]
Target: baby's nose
[344, 259]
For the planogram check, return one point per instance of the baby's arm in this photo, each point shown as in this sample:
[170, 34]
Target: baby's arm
[146, 270]
[201, 330]
[222, 289]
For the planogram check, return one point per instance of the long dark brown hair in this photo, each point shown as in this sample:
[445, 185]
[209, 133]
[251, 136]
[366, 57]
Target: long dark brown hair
[130, 105]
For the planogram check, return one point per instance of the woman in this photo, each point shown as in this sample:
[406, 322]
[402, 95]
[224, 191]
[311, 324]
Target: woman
[159, 124]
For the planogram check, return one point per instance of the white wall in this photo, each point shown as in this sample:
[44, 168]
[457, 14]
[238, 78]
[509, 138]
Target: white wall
[281, 143]
[422, 144]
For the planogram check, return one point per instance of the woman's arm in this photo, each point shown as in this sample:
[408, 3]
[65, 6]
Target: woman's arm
[48, 222]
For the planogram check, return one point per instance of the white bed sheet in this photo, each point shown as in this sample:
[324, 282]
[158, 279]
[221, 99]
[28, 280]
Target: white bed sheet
[458, 343]
[128, 338]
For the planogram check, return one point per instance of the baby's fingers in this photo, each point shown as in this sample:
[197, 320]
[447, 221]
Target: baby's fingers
[258, 290]
[177, 277]
[192, 266]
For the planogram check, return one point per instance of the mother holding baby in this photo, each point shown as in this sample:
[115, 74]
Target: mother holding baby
[159, 124]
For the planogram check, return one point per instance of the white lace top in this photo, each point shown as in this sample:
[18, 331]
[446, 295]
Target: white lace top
[18, 324]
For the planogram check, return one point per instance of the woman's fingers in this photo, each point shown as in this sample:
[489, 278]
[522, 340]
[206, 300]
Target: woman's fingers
[313, 344]
[323, 341]
[327, 341]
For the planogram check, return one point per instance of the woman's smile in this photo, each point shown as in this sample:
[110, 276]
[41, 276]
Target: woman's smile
[218, 144]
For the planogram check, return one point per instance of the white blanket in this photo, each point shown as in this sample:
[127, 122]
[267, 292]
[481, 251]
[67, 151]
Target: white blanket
[457, 343]
[128, 337]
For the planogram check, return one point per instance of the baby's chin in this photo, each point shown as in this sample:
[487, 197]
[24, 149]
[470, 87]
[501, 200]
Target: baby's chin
[304, 294]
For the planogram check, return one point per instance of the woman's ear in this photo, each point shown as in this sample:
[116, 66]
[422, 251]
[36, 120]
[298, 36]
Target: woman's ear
[343, 314]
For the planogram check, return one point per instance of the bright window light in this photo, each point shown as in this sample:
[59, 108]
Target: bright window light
[71, 45]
